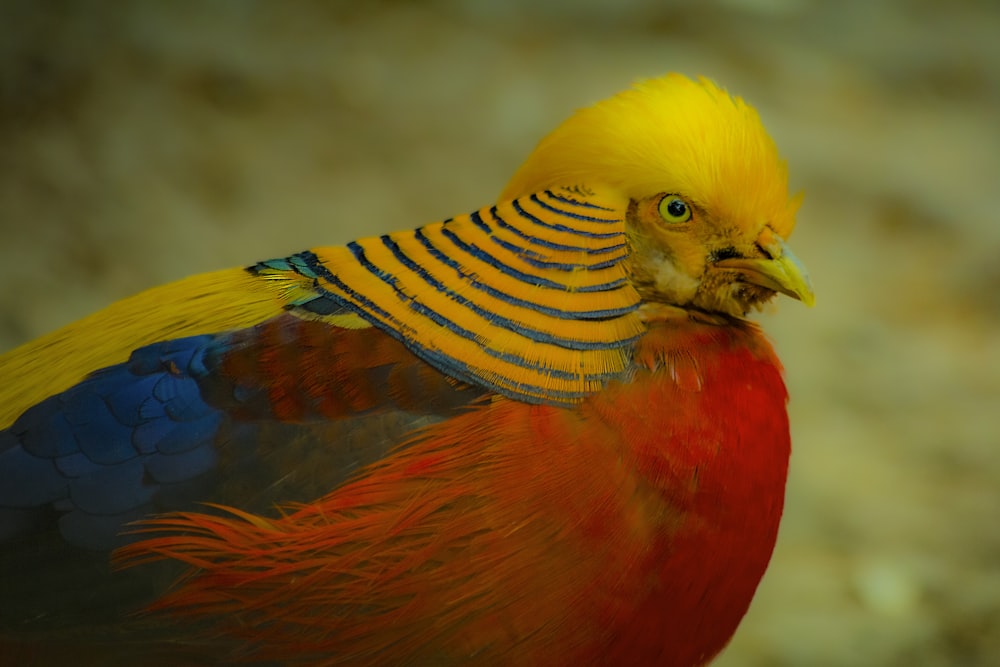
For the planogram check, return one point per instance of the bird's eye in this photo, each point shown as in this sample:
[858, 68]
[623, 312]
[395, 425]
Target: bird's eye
[674, 210]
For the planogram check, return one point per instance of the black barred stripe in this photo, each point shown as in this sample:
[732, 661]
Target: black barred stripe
[478, 221]
[320, 271]
[494, 318]
[562, 228]
[534, 240]
[483, 256]
[503, 224]
[516, 390]
[529, 257]
[534, 258]
[570, 214]
[446, 322]
[609, 313]
[575, 202]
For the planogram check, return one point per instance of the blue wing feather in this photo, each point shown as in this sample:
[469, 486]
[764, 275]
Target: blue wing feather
[103, 447]
[171, 426]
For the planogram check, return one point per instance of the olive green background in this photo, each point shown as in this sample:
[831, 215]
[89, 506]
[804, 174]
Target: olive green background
[143, 141]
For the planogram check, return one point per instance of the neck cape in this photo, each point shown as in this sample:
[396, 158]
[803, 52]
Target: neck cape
[528, 298]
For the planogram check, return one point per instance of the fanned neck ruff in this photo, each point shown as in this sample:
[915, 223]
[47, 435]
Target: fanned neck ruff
[529, 298]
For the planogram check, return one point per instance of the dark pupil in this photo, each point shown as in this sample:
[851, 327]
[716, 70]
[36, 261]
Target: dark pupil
[677, 208]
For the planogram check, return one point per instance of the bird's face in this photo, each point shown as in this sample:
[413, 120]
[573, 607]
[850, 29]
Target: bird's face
[708, 210]
[687, 255]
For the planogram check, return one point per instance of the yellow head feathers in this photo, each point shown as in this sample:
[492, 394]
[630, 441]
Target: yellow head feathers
[675, 135]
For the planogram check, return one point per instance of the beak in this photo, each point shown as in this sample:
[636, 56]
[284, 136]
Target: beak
[781, 271]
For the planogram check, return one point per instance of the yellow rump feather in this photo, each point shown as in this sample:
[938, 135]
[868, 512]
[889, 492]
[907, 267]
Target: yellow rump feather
[205, 303]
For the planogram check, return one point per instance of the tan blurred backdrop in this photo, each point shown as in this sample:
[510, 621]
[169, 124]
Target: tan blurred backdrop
[143, 141]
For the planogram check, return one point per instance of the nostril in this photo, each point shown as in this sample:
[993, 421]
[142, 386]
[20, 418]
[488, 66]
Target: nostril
[726, 253]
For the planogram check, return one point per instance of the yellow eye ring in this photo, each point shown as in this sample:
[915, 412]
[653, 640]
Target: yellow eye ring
[674, 210]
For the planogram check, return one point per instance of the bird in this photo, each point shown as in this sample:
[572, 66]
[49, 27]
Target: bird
[545, 432]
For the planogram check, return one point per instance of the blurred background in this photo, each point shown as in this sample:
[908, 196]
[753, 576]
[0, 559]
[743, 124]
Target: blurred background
[144, 141]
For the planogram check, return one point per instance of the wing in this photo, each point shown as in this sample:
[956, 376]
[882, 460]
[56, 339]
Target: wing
[146, 435]
[280, 411]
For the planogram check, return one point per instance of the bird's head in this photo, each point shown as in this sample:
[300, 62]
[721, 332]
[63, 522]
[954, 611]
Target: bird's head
[708, 209]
